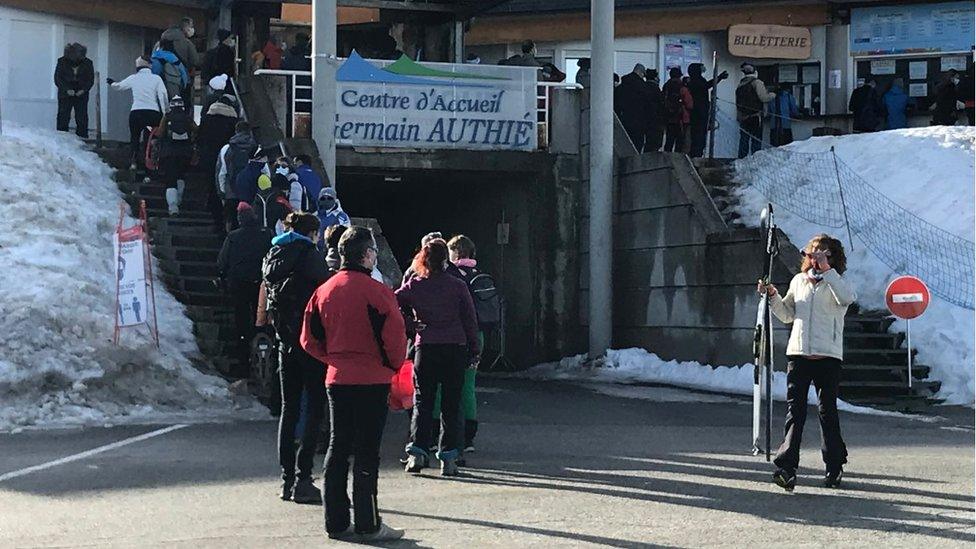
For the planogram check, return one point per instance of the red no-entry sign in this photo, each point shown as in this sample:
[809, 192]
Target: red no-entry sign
[907, 297]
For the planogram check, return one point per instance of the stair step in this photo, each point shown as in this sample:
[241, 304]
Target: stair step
[195, 284]
[199, 298]
[919, 371]
[890, 389]
[210, 313]
[893, 357]
[903, 403]
[189, 215]
[185, 254]
[867, 340]
[215, 331]
[869, 324]
[189, 203]
[190, 268]
[199, 241]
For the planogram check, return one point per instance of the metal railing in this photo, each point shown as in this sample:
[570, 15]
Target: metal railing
[299, 102]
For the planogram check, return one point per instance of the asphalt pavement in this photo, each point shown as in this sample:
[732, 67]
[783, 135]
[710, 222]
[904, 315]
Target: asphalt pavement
[557, 465]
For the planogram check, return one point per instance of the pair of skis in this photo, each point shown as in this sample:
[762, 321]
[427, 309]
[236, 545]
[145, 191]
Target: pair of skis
[762, 389]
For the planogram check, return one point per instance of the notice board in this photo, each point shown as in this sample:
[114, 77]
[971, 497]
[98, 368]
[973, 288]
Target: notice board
[910, 70]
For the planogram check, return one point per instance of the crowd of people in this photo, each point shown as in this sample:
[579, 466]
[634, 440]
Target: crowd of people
[887, 107]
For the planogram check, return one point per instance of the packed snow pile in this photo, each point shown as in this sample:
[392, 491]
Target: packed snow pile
[58, 365]
[640, 366]
[927, 171]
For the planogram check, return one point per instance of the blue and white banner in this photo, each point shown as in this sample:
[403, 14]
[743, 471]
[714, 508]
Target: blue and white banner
[912, 28]
[435, 105]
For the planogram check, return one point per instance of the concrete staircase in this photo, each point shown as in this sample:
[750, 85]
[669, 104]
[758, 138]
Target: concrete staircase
[876, 364]
[186, 248]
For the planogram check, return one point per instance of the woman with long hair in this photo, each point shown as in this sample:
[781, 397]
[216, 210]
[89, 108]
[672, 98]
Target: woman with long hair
[816, 303]
[440, 311]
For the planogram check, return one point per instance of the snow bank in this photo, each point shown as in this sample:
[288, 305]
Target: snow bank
[638, 365]
[58, 365]
[929, 172]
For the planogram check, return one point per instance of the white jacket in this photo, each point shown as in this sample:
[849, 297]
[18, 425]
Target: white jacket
[817, 313]
[148, 90]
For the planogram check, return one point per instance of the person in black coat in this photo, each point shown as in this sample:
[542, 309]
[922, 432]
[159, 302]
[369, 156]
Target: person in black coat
[221, 59]
[217, 126]
[865, 103]
[74, 77]
[631, 102]
[699, 88]
[654, 132]
[239, 268]
[947, 100]
[297, 57]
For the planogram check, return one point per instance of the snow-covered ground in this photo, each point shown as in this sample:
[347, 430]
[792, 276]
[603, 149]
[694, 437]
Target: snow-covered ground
[58, 365]
[929, 172]
[627, 366]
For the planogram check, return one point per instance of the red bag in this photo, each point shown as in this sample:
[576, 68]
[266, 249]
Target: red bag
[401, 388]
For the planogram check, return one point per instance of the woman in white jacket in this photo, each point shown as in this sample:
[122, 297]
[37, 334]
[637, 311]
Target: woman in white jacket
[815, 304]
[149, 102]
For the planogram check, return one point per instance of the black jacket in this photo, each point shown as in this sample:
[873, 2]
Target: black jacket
[699, 87]
[75, 75]
[866, 106]
[292, 271]
[946, 95]
[243, 252]
[632, 100]
[215, 132]
[219, 60]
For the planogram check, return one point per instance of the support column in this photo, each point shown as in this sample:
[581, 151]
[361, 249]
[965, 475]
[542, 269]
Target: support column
[601, 177]
[324, 83]
[458, 41]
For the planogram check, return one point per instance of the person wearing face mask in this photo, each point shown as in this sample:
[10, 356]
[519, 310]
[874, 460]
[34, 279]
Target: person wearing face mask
[180, 35]
[330, 211]
[354, 325]
[221, 59]
[947, 100]
[815, 304]
[291, 272]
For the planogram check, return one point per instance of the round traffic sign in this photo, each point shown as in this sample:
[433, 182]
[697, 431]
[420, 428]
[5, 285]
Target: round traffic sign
[907, 297]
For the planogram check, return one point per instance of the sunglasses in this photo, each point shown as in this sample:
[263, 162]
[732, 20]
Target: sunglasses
[815, 253]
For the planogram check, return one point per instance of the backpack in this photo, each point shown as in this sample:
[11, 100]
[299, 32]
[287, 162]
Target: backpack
[487, 300]
[235, 160]
[284, 309]
[747, 100]
[673, 105]
[178, 126]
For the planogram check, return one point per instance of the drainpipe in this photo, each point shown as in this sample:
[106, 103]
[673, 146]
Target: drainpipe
[601, 177]
[324, 83]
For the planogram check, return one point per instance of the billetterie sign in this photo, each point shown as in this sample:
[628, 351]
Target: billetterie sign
[770, 42]
[435, 105]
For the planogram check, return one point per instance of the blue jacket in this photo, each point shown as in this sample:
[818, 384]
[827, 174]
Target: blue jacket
[312, 183]
[896, 104]
[335, 216]
[159, 56]
[246, 184]
[782, 109]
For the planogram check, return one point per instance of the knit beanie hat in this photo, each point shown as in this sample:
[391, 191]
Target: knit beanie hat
[142, 63]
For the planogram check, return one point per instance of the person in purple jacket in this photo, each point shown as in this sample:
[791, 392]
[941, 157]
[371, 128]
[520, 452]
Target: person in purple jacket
[439, 309]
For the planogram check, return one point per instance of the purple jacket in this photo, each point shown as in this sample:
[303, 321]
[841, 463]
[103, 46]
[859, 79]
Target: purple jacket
[443, 304]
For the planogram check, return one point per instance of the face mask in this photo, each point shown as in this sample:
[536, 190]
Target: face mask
[955, 81]
[283, 170]
[190, 32]
[326, 204]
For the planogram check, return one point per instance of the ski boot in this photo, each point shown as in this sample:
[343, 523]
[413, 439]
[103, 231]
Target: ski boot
[785, 479]
[173, 202]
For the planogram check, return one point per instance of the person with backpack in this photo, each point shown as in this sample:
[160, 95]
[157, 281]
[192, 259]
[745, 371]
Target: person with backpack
[239, 268]
[782, 111]
[487, 308]
[308, 178]
[167, 65]
[231, 159]
[217, 126]
[246, 182]
[353, 324]
[176, 131]
[678, 104]
[270, 204]
[750, 99]
[291, 272]
[866, 106]
[699, 89]
[74, 77]
[149, 101]
[442, 315]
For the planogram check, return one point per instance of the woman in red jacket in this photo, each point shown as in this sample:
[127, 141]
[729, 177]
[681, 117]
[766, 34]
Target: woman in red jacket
[446, 325]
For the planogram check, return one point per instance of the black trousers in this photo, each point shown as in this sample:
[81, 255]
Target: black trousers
[138, 120]
[825, 376]
[699, 134]
[79, 105]
[674, 139]
[299, 371]
[780, 136]
[244, 295]
[636, 134]
[750, 136]
[653, 138]
[358, 418]
[174, 168]
[434, 365]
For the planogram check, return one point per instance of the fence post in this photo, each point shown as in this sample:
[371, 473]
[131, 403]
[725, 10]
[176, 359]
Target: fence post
[843, 204]
[712, 106]
[98, 110]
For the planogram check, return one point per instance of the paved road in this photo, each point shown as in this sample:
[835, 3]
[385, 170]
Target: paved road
[557, 465]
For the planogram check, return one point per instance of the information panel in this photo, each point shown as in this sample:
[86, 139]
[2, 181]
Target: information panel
[917, 28]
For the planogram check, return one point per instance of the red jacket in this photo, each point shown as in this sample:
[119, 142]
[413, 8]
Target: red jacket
[353, 324]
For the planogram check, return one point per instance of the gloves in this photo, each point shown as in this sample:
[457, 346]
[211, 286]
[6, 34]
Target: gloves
[723, 76]
[109, 81]
[70, 93]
